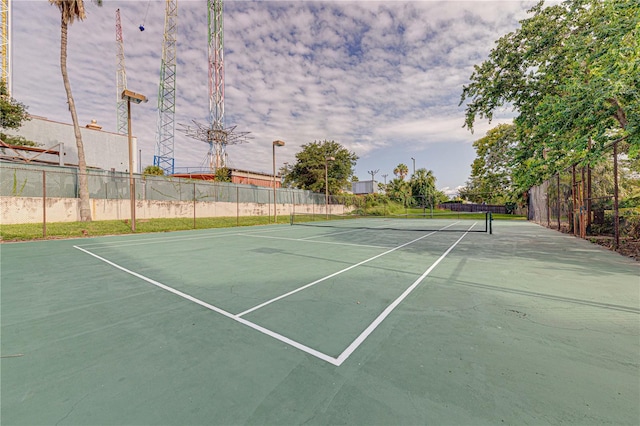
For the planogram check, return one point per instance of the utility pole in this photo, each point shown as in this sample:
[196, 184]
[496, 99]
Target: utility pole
[373, 178]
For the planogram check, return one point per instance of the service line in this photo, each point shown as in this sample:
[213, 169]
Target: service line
[304, 287]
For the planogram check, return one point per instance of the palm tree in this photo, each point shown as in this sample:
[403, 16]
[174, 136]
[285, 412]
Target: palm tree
[70, 10]
[401, 170]
[423, 186]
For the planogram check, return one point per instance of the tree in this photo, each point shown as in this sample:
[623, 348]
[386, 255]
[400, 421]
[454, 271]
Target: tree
[12, 112]
[571, 72]
[70, 10]
[284, 171]
[492, 170]
[401, 170]
[399, 190]
[423, 187]
[309, 169]
[223, 174]
[153, 171]
[12, 115]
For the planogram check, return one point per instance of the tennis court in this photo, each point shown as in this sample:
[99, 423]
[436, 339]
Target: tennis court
[395, 321]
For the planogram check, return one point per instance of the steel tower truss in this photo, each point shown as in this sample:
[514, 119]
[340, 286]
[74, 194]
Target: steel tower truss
[5, 43]
[217, 136]
[164, 157]
[215, 133]
[121, 80]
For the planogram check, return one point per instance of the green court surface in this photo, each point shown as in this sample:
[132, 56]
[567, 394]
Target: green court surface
[288, 325]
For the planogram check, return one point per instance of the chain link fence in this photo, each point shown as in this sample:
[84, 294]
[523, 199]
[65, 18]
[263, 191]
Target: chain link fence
[41, 194]
[598, 200]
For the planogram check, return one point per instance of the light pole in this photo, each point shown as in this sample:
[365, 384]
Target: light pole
[275, 211]
[326, 184]
[414, 165]
[129, 96]
[385, 191]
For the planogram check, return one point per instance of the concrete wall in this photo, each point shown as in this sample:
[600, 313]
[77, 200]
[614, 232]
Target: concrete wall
[104, 150]
[15, 210]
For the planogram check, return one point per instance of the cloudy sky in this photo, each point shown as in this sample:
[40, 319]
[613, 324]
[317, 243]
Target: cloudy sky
[381, 78]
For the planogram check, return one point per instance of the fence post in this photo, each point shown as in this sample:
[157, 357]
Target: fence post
[132, 200]
[574, 201]
[583, 205]
[237, 205]
[616, 217]
[589, 191]
[559, 207]
[548, 194]
[194, 205]
[44, 204]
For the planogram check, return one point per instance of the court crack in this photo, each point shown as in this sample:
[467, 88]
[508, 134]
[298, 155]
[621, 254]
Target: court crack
[73, 407]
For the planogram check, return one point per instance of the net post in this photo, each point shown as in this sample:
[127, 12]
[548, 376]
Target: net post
[490, 223]
[291, 219]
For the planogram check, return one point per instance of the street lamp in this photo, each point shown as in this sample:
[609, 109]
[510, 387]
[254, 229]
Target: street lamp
[326, 184]
[414, 165]
[129, 96]
[275, 211]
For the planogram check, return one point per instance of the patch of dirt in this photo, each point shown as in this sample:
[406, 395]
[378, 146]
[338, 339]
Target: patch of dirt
[628, 247]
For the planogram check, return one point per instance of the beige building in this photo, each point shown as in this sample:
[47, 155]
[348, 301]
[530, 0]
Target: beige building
[103, 150]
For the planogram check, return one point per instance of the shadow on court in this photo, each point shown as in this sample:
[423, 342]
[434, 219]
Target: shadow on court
[291, 325]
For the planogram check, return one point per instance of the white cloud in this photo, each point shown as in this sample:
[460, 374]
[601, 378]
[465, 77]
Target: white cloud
[370, 75]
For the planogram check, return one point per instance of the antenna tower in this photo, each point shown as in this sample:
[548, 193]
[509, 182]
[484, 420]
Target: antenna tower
[5, 43]
[163, 157]
[215, 134]
[121, 80]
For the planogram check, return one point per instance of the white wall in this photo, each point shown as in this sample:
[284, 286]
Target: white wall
[15, 210]
[104, 150]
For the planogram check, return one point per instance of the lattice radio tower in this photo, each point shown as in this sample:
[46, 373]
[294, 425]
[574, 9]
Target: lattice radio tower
[215, 133]
[164, 157]
[121, 80]
[5, 43]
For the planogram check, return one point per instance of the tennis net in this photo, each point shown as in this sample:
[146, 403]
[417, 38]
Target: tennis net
[442, 222]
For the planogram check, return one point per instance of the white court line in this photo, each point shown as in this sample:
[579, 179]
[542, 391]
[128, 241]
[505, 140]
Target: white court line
[257, 327]
[361, 338]
[146, 241]
[313, 242]
[332, 360]
[275, 299]
[356, 230]
[328, 235]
